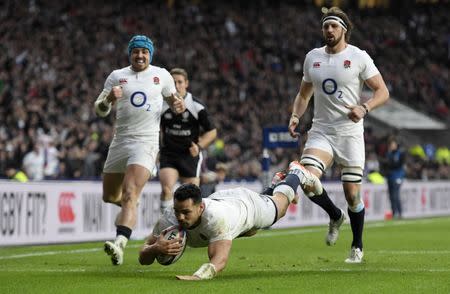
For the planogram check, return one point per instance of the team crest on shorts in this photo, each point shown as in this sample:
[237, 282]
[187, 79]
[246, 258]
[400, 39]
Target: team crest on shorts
[347, 63]
[156, 80]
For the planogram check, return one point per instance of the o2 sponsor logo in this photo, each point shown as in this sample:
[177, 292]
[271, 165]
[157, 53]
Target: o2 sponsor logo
[329, 87]
[139, 99]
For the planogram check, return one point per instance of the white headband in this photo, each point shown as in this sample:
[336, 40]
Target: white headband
[335, 19]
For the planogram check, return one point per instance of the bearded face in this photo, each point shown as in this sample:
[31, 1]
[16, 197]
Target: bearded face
[332, 33]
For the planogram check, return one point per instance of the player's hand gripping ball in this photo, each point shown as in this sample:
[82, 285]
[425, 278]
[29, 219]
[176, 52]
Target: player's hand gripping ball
[170, 234]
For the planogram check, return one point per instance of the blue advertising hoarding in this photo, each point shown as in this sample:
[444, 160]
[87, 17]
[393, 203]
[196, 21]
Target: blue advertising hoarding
[274, 137]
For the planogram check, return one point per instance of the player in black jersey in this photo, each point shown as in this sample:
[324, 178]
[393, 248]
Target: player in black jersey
[183, 136]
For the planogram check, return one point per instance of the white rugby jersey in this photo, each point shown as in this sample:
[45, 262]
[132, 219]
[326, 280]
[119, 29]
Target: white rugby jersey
[227, 214]
[138, 112]
[338, 80]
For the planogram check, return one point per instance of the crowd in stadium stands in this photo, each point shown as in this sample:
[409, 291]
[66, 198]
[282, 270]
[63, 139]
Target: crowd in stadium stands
[244, 59]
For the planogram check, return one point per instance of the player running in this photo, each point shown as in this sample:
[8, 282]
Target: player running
[336, 74]
[139, 91]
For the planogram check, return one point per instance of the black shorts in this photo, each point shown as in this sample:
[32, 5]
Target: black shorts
[186, 165]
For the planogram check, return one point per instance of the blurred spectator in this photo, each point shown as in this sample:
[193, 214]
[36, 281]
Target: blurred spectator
[210, 178]
[16, 174]
[91, 164]
[372, 163]
[33, 163]
[51, 160]
[372, 167]
[442, 155]
[417, 151]
[395, 159]
[244, 60]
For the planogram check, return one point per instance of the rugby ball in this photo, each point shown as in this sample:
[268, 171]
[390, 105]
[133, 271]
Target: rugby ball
[172, 233]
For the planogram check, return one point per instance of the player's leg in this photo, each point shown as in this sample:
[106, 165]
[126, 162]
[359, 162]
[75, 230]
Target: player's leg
[134, 181]
[141, 158]
[112, 187]
[278, 177]
[350, 154]
[356, 214]
[168, 177]
[285, 192]
[113, 174]
[136, 176]
[317, 156]
[316, 160]
[269, 209]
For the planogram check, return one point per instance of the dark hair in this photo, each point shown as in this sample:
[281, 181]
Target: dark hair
[336, 11]
[188, 191]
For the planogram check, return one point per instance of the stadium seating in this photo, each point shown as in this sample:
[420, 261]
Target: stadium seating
[244, 59]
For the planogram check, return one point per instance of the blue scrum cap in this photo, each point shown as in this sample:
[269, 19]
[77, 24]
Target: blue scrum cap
[141, 41]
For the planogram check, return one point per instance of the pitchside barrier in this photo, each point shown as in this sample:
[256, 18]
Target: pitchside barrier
[60, 212]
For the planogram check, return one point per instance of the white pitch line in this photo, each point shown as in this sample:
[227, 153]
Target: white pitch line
[73, 270]
[46, 253]
[262, 234]
[387, 270]
[347, 270]
[412, 252]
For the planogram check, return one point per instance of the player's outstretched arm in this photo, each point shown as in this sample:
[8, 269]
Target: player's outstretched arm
[218, 252]
[158, 245]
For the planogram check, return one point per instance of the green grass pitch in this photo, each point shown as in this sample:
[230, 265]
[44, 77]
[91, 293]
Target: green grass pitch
[409, 256]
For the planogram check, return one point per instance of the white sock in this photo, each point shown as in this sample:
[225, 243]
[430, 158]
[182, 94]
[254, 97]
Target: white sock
[164, 204]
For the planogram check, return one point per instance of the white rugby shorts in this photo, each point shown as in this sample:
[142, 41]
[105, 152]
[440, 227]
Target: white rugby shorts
[347, 150]
[122, 154]
[264, 210]
[260, 210]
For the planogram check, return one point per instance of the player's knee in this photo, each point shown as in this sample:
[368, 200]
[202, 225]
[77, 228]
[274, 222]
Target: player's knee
[352, 175]
[130, 195]
[313, 162]
[129, 199]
